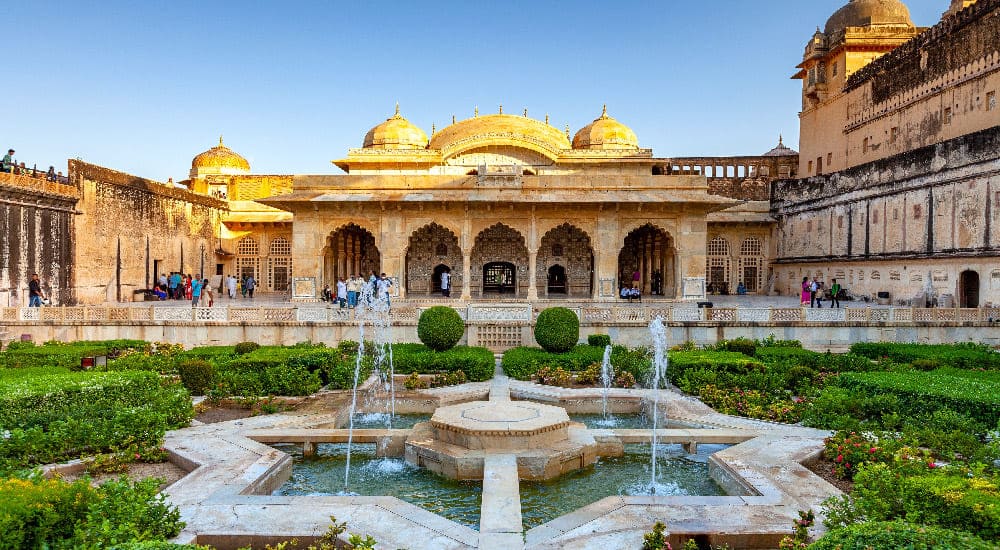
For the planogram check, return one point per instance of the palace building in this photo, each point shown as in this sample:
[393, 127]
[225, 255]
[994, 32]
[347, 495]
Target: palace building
[893, 192]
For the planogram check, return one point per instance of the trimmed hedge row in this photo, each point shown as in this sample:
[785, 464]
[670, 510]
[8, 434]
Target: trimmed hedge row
[921, 392]
[524, 362]
[59, 417]
[478, 364]
[962, 356]
[899, 534]
[57, 354]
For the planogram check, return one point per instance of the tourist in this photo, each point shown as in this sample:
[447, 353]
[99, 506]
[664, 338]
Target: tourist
[231, 286]
[35, 293]
[814, 294]
[446, 284]
[206, 290]
[51, 174]
[193, 287]
[326, 294]
[741, 289]
[8, 161]
[172, 283]
[160, 292]
[342, 292]
[806, 292]
[835, 294]
[162, 281]
[384, 283]
[634, 293]
[636, 278]
[188, 287]
[250, 285]
[657, 282]
[353, 288]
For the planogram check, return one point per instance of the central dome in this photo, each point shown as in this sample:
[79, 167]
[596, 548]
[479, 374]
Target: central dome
[500, 129]
[395, 133]
[219, 159]
[605, 133]
[863, 13]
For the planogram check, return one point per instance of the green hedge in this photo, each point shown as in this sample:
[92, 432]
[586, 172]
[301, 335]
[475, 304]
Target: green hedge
[721, 361]
[67, 355]
[522, 363]
[962, 356]
[49, 513]
[828, 362]
[59, 417]
[899, 534]
[478, 364]
[976, 396]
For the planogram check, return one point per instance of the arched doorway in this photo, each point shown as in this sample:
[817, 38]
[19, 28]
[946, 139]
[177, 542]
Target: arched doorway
[968, 290]
[350, 251]
[648, 251]
[500, 256]
[556, 283]
[432, 250]
[569, 248]
[499, 278]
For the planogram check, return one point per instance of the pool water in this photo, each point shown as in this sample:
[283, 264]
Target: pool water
[323, 474]
[613, 421]
[678, 472]
[381, 420]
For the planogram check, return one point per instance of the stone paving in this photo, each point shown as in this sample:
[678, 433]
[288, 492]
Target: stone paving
[226, 498]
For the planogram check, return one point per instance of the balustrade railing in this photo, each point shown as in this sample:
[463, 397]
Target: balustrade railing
[486, 313]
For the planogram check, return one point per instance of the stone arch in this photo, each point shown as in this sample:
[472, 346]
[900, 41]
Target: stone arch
[500, 244]
[649, 251]
[752, 264]
[248, 258]
[279, 264]
[718, 266]
[431, 246]
[350, 250]
[569, 247]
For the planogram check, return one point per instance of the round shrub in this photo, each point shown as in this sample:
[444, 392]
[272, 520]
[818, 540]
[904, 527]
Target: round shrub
[599, 340]
[244, 348]
[557, 329]
[440, 328]
[197, 375]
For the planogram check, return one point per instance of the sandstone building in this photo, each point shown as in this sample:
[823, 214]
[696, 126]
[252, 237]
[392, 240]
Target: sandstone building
[899, 132]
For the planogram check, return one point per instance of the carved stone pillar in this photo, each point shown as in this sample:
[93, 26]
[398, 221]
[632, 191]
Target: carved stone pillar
[532, 265]
[466, 277]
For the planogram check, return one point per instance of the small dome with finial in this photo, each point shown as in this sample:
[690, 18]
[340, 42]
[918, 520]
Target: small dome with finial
[869, 13]
[395, 133]
[781, 150]
[219, 160]
[605, 133]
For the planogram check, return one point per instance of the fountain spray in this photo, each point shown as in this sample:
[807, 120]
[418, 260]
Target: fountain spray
[659, 334]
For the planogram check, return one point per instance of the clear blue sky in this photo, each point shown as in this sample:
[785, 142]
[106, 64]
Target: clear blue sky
[142, 87]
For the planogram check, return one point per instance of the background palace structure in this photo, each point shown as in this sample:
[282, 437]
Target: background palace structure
[899, 155]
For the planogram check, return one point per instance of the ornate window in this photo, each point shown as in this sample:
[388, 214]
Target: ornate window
[557, 250]
[719, 264]
[279, 264]
[441, 249]
[248, 258]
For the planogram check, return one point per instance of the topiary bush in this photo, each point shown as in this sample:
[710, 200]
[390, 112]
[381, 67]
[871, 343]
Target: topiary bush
[197, 375]
[599, 340]
[557, 329]
[244, 348]
[440, 328]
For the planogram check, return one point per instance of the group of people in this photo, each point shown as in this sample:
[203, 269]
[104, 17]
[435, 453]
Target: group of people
[178, 286]
[349, 289]
[814, 291]
[10, 166]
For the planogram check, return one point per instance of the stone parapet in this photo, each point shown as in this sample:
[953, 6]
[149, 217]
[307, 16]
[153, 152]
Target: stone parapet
[39, 186]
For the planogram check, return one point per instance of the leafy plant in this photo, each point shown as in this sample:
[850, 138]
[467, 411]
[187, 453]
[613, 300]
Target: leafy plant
[599, 340]
[414, 382]
[656, 539]
[557, 329]
[244, 348]
[556, 376]
[440, 328]
[197, 375]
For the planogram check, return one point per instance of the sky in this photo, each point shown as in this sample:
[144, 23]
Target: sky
[144, 86]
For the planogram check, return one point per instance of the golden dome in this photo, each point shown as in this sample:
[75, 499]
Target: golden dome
[500, 129]
[863, 13]
[605, 133]
[395, 133]
[219, 158]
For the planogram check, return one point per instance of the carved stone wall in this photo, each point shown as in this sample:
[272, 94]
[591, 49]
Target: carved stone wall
[567, 247]
[35, 237]
[123, 216]
[500, 243]
[431, 246]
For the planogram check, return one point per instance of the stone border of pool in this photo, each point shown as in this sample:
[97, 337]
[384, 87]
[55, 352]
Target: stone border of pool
[226, 498]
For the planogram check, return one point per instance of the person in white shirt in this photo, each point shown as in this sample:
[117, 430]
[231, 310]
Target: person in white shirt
[384, 283]
[446, 284]
[231, 286]
[342, 292]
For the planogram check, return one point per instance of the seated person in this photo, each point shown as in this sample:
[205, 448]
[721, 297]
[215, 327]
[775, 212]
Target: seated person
[624, 294]
[741, 289]
[634, 294]
[160, 293]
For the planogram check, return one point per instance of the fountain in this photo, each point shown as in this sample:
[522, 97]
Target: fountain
[607, 375]
[659, 334]
[374, 309]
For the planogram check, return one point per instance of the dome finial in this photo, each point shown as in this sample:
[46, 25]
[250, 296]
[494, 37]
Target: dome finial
[397, 108]
[453, 119]
[567, 131]
[501, 108]
[220, 141]
[546, 119]
[433, 129]
[525, 112]
[604, 111]
[475, 112]
[781, 139]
